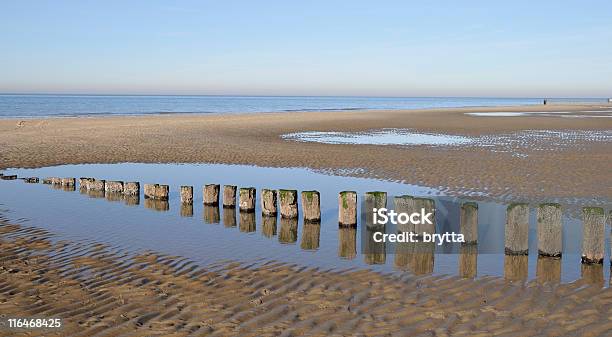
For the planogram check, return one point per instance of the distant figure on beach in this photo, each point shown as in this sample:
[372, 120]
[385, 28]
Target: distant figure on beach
[545, 102]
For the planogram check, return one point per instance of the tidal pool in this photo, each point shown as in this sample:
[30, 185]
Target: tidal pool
[207, 235]
[379, 137]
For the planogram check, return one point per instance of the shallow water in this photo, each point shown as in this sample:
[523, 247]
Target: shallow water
[12, 106]
[379, 137]
[212, 234]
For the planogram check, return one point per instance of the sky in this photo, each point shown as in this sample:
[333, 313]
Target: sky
[369, 48]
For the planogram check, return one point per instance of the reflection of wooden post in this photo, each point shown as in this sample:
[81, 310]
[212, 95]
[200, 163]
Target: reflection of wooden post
[423, 258]
[371, 201]
[288, 230]
[468, 222]
[157, 204]
[347, 208]
[550, 230]
[229, 216]
[229, 196]
[592, 274]
[310, 235]
[347, 242]
[131, 188]
[593, 236]
[114, 187]
[68, 181]
[268, 226]
[247, 199]
[268, 202]
[516, 267]
[548, 270]
[31, 180]
[187, 209]
[187, 195]
[403, 255]
[517, 229]
[247, 222]
[374, 252]
[288, 204]
[156, 191]
[468, 260]
[131, 200]
[311, 206]
[211, 214]
[211, 195]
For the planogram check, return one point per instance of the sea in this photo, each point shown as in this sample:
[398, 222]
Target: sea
[35, 106]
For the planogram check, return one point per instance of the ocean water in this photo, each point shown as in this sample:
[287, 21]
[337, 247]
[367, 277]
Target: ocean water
[12, 106]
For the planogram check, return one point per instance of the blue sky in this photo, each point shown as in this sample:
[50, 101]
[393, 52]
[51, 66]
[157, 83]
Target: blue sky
[378, 48]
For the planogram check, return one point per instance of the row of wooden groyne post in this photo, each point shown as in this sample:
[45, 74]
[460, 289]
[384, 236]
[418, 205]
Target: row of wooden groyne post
[285, 202]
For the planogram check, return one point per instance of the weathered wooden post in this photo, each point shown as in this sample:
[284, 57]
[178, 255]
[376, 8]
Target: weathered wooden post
[593, 236]
[229, 196]
[517, 229]
[68, 181]
[114, 187]
[371, 201]
[347, 242]
[84, 183]
[268, 203]
[247, 222]
[311, 206]
[550, 230]
[548, 270]
[247, 199]
[404, 204]
[429, 206]
[187, 195]
[156, 191]
[468, 222]
[9, 177]
[229, 216]
[211, 194]
[347, 208]
[131, 188]
[211, 214]
[96, 185]
[468, 260]
[31, 180]
[310, 235]
[288, 204]
[268, 226]
[288, 230]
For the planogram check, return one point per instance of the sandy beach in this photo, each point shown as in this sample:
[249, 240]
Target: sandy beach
[514, 166]
[97, 290]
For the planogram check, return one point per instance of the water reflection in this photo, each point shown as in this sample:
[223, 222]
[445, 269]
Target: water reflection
[592, 274]
[247, 222]
[186, 209]
[516, 267]
[268, 226]
[311, 231]
[211, 215]
[468, 260]
[114, 196]
[288, 230]
[347, 242]
[132, 200]
[157, 204]
[229, 216]
[548, 270]
[374, 252]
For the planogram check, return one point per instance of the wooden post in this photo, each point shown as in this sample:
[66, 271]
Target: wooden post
[550, 230]
[373, 200]
[96, 185]
[429, 206]
[84, 183]
[468, 222]
[288, 204]
[114, 187]
[131, 188]
[311, 206]
[347, 208]
[229, 196]
[187, 195]
[268, 202]
[404, 204]
[593, 236]
[156, 191]
[9, 177]
[517, 229]
[31, 180]
[247, 199]
[68, 181]
[211, 195]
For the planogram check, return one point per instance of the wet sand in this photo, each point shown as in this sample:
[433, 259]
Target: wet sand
[97, 290]
[577, 170]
